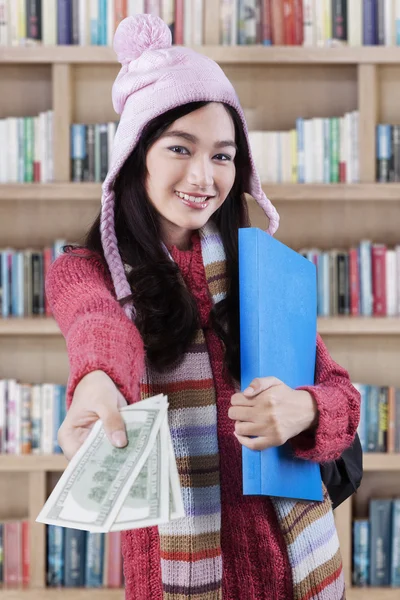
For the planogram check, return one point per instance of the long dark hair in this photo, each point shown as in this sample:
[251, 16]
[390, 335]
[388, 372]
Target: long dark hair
[166, 312]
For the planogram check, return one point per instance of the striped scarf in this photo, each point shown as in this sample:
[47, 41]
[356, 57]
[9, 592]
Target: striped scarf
[191, 560]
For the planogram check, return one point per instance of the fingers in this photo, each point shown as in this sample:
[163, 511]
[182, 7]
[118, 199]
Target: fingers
[114, 425]
[256, 443]
[71, 439]
[240, 413]
[249, 429]
[260, 384]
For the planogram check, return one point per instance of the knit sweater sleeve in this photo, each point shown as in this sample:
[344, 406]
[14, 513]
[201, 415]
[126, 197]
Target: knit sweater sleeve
[338, 404]
[98, 334]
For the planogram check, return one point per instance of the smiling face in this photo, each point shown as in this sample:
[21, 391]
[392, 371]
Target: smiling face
[191, 170]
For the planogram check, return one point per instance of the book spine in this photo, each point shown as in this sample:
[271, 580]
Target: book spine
[288, 23]
[373, 418]
[395, 550]
[75, 8]
[384, 152]
[380, 12]
[55, 555]
[114, 560]
[12, 554]
[47, 418]
[78, 152]
[335, 145]
[298, 22]
[251, 459]
[26, 558]
[339, 20]
[34, 20]
[378, 263]
[103, 151]
[354, 282]
[121, 12]
[397, 421]
[380, 523]
[26, 426]
[383, 420]
[74, 559]
[391, 284]
[64, 22]
[36, 417]
[354, 8]
[179, 22]
[370, 23]
[102, 23]
[266, 23]
[94, 560]
[361, 552]
[365, 278]
[309, 28]
[4, 25]
[391, 432]
[277, 23]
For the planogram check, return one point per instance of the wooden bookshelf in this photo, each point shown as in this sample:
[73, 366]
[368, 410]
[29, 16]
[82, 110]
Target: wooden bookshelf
[56, 463]
[278, 84]
[327, 326]
[225, 55]
[295, 192]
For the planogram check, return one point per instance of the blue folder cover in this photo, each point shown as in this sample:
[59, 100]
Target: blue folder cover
[278, 329]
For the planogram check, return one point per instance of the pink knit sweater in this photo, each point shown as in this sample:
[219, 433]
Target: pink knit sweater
[99, 336]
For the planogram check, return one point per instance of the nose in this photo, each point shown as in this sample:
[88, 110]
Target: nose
[201, 173]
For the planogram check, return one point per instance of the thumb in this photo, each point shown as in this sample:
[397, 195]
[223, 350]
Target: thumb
[114, 426]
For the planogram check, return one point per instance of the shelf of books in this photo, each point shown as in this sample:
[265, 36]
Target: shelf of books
[319, 84]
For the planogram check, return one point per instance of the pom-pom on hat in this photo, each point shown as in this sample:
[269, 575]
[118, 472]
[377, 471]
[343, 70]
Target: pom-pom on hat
[154, 78]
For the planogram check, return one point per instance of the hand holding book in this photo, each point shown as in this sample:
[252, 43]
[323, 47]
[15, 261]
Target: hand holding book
[269, 413]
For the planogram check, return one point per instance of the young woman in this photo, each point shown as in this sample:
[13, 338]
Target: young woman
[150, 304]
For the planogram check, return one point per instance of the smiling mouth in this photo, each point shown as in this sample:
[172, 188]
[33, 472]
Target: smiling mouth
[194, 199]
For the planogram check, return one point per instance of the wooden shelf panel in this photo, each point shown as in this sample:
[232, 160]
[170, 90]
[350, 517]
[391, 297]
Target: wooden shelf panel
[372, 593]
[381, 462]
[39, 326]
[62, 594]
[295, 192]
[28, 463]
[343, 326]
[52, 192]
[222, 54]
[57, 463]
[359, 326]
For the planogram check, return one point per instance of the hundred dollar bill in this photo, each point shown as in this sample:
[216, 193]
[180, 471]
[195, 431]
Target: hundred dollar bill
[147, 502]
[174, 492]
[98, 479]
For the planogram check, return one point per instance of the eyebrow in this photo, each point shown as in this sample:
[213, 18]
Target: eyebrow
[192, 138]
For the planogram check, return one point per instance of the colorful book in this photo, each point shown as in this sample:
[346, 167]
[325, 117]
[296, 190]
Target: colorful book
[278, 328]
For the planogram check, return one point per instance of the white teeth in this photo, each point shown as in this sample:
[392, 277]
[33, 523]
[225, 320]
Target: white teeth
[192, 198]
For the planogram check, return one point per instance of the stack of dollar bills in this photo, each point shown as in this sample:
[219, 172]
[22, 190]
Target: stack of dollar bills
[114, 489]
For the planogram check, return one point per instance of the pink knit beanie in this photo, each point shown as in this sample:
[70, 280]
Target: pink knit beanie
[154, 78]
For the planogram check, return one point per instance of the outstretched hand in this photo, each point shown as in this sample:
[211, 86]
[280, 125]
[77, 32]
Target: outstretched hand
[268, 413]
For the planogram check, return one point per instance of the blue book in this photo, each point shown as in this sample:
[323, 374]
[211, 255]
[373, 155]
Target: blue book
[395, 554]
[278, 328]
[380, 516]
[361, 552]
[74, 557]
[55, 556]
[300, 150]
[94, 559]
